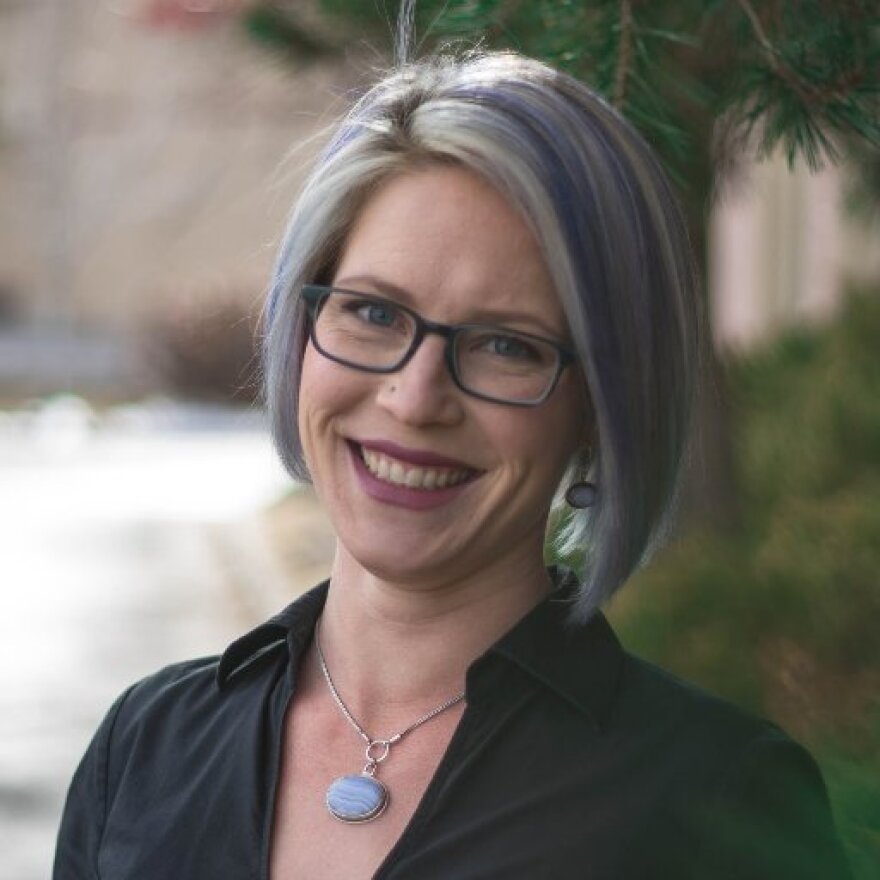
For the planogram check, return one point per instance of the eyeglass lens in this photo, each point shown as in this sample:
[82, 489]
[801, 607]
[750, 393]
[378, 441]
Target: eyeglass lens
[375, 334]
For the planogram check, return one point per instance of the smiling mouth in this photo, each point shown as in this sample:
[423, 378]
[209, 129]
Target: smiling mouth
[402, 473]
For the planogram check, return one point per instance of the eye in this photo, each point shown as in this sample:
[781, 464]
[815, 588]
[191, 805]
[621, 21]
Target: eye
[375, 313]
[509, 347]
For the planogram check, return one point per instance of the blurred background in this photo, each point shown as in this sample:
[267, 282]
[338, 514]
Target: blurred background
[149, 152]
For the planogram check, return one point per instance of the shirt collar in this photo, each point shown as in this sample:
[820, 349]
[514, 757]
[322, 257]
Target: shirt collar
[582, 663]
[291, 627]
[579, 662]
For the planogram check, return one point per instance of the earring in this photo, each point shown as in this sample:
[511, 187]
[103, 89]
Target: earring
[581, 495]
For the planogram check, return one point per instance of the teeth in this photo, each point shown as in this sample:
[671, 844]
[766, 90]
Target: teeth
[414, 477]
[397, 474]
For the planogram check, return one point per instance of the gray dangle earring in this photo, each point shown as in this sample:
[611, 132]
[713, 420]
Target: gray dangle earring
[581, 495]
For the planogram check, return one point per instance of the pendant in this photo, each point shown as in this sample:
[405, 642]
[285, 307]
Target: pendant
[357, 798]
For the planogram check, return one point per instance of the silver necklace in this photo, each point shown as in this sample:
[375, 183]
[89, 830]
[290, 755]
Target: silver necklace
[360, 797]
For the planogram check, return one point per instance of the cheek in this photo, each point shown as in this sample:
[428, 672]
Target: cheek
[310, 381]
[563, 432]
[323, 394]
[324, 384]
[538, 445]
[329, 394]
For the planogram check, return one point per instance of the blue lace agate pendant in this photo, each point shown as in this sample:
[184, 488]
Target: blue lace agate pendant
[357, 798]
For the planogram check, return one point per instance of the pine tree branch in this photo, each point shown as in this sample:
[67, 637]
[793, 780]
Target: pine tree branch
[624, 54]
[776, 64]
[807, 92]
[760, 33]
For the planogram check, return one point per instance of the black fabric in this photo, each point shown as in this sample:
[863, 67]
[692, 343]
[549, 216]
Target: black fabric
[573, 759]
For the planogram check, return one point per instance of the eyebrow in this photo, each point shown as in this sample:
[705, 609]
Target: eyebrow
[487, 316]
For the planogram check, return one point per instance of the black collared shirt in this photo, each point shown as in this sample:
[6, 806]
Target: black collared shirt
[573, 759]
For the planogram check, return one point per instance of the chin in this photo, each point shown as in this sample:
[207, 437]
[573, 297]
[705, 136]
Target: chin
[405, 556]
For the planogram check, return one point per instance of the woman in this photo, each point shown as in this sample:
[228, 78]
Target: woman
[483, 302]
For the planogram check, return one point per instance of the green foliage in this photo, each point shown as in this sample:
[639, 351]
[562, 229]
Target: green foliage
[803, 74]
[829, 386]
[853, 779]
[783, 616]
[806, 413]
[813, 73]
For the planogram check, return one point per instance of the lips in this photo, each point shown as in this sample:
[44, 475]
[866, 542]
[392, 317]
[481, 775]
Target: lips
[413, 476]
[412, 469]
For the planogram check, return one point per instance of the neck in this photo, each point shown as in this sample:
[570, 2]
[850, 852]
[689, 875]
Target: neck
[397, 650]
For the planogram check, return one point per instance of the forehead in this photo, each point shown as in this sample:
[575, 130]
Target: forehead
[454, 244]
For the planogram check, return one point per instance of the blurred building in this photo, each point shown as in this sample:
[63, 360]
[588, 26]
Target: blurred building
[783, 250]
[142, 166]
[145, 161]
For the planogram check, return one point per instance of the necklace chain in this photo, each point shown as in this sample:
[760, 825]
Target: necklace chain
[387, 743]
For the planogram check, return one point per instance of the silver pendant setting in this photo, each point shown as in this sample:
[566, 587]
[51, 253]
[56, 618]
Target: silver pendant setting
[357, 798]
[360, 797]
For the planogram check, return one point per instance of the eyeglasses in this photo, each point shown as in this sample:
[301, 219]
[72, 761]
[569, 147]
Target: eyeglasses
[378, 335]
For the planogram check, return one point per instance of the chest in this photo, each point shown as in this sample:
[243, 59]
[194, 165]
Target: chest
[515, 786]
[307, 841]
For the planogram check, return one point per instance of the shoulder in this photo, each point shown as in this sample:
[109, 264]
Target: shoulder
[203, 695]
[701, 741]
[133, 719]
[197, 673]
[743, 798]
[183, 697]
[178, 684]
[648, 694]
[150, 716]
[250, 664]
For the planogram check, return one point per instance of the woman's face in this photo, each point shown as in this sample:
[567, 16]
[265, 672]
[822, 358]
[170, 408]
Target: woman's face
[446, 244]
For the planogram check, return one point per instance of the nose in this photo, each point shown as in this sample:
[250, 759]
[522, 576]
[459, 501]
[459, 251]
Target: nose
[422, 392]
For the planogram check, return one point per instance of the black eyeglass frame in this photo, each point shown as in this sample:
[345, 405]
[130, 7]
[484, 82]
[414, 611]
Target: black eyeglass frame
[314, 296]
